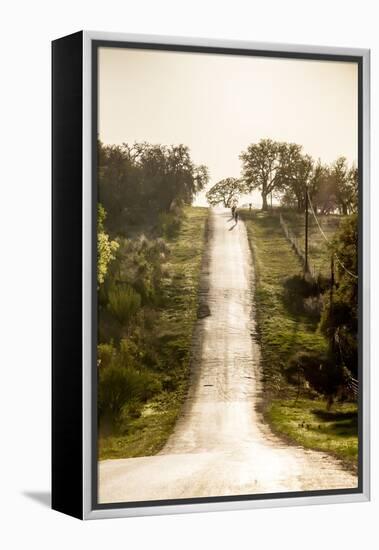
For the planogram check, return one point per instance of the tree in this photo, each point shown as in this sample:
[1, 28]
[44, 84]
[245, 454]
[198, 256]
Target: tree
[340, 316]
[262, 165]
[320, 371]
[119, 186]
[225, 192]
[343, 182]
[295, 173]
[320, 189]
[331, 188]
[353, 184]
[169, 175]
[138, 182]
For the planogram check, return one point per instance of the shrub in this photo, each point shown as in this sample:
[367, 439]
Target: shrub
[106, 248]
[132, 409]
[120, 385]
[115, 388]
[303, 295]
[168, 224]
[105, 354]
[140, 265]
[300, 286]
[319, 370]
[124, 302]
[128, 352]
[313, 306]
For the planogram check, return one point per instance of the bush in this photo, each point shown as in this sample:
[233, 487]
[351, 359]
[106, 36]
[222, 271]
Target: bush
[105, 354]
[319, 370]
[168, 224]
[106, 248]
[124, 302]
[120, 385]
[297, 285]
[141, 265]
[303, 295]
[128, 352]
[313, 306]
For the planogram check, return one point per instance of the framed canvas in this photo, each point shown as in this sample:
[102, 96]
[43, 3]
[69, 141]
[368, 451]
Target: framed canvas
[210, 275]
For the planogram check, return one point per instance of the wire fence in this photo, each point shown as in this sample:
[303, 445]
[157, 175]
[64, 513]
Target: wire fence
[351, 384]
[354, 275]
[296, 246]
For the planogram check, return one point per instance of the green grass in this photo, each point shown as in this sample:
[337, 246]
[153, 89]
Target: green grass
[319, 253]
[283, 331]
[147, 433]
[308, 423]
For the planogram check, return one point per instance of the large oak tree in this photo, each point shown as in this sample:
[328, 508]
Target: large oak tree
[262, 165]
[225, 192]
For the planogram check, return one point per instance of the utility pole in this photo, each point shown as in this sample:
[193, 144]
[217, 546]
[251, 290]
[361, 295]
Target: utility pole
[306, 266]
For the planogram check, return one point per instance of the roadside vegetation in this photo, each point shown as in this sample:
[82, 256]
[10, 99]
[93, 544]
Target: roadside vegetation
[308, 423]
[305, 398]
[306, 304]
[150, 248]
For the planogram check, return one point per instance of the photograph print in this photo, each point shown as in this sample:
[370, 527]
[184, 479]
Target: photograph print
[228, 316]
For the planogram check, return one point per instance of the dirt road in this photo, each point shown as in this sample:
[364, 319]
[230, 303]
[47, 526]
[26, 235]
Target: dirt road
[220, 445]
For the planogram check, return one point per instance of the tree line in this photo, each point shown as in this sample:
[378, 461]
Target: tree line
[138, 182]
[283, 170]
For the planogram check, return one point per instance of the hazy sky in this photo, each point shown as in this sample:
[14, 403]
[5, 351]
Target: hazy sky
[218, 104]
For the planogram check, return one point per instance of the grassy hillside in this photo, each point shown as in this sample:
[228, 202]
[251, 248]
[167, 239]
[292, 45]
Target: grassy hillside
[146, 434]
[285, 328]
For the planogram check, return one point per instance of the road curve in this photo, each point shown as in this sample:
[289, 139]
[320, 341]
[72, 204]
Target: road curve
[220, 446]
